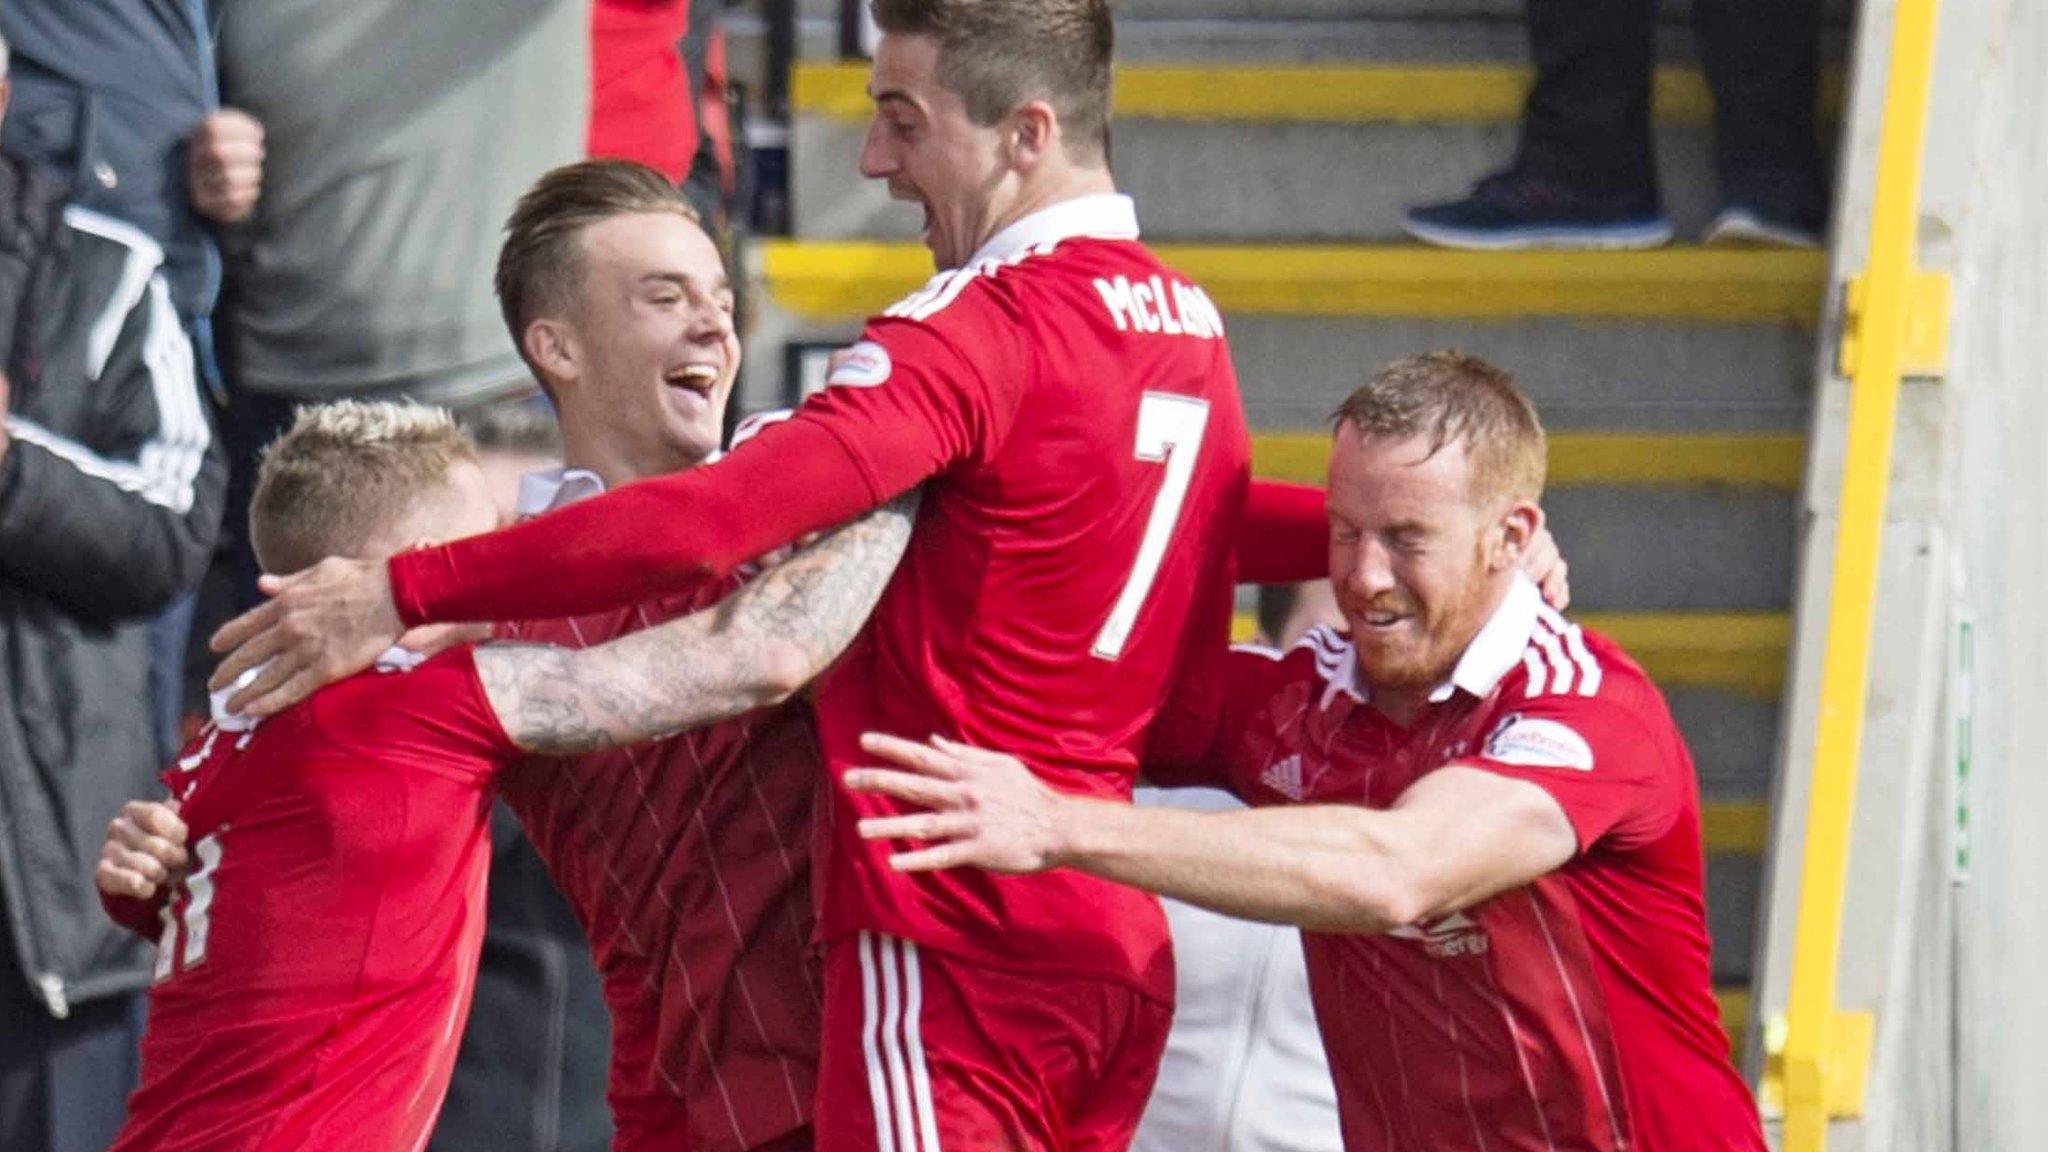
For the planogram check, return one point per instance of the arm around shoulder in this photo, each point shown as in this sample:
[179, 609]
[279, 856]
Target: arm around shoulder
[756, 648]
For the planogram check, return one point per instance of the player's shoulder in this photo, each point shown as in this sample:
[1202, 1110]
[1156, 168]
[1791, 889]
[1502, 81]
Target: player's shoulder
[999, 294]
[1321, 662]
[396, 697]
[1575, 679]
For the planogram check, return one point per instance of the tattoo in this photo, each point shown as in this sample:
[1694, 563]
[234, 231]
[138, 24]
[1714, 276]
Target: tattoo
[756, 647]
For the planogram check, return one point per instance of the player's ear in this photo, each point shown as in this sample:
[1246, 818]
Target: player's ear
[1516, 532]
[1034, 133]
[552, 347]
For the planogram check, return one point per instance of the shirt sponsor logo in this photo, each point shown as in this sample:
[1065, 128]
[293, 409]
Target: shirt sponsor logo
[1536, 743]
[1284, 776]
[1156, 304]
[864, 365]
[1447, 936]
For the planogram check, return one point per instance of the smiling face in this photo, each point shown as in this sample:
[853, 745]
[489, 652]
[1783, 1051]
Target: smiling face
[929, 150]
[649, 332]
[1418, 559]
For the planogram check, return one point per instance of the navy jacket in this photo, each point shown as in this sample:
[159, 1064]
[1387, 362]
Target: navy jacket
[105, 94]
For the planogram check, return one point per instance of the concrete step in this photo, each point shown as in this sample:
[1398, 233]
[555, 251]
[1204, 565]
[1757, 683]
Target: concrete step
[1687, 339]
[828, 280]
[1702, 500]
[1182, 39]
[1377, 140]
[1734, 885]
[1362, 11]
[1292, 371]
[1595, 459]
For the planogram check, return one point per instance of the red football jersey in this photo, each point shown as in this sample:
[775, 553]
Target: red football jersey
[688, 863]
[1072, 404]
[1078, 400]
[1575, 1012]
[316, 965]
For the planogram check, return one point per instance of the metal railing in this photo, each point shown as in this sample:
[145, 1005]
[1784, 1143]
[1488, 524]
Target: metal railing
[1826, 1052]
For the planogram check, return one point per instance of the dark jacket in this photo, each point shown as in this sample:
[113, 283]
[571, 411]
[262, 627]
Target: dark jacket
[106, 92]
[109, 500]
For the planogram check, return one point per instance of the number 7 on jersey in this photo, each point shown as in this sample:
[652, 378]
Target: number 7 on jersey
[1170, 433]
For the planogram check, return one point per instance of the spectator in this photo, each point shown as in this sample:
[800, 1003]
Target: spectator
[106, 94]
[1585, 176]
[364, 269]
[110, 489]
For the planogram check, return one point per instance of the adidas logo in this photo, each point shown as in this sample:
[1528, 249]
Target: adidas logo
[1284, 776]
[1454, 935]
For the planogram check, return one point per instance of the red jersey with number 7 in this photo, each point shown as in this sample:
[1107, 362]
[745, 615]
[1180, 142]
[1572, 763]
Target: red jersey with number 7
[316, 964]
[1080, 400]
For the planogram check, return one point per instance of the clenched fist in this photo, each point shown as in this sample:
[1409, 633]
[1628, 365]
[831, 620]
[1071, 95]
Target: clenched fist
[224, 164]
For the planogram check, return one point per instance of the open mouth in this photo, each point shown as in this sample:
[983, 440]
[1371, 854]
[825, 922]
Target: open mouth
[698, 378]
[1383, 619]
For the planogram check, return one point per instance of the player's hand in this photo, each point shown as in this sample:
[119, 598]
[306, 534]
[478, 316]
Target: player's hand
[430, 640]
[986, 810]
[224, 165]
[1546, 566]
[144, 850]
[330, 621]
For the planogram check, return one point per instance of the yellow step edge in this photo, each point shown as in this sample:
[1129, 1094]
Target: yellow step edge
[1745, 459]
[1733, 1001]
[1739, 652]
[849, 280]
[1304, 93]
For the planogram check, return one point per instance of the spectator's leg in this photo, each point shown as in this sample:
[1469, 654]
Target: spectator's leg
[1584, 175]
[93, 1065]
[64, 1084]
[1762, 60]
[1586, 122]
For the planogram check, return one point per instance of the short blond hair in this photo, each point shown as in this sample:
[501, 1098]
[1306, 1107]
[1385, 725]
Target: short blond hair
[342, 472]
[1450, 397]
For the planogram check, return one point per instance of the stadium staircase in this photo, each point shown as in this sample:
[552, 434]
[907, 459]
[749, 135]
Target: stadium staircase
[1271, 145]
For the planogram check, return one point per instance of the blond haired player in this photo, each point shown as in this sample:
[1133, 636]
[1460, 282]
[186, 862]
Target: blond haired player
[315, 964]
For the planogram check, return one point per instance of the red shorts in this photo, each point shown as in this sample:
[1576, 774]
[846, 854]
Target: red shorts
[926, 1052]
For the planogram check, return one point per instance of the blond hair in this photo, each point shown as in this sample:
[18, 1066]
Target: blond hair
[342, 472]
[998, 54]
[1450, 397]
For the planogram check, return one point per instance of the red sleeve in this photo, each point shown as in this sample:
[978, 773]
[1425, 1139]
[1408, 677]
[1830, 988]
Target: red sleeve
[1599, 761]
[137, 916]
[640, 541]
[904, 413]
[1198, 738]
[1284, 536]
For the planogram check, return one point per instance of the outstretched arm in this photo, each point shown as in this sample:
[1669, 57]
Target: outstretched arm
[755, 648]
[1456, 837]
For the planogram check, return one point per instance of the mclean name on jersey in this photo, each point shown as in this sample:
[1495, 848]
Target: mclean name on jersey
[1171, 307]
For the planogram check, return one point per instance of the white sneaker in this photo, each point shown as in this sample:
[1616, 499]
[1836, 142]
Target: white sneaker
[1742, 226]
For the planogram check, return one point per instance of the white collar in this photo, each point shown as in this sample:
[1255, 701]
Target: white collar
[1499, 645]
[550, 488]
[1104, 216]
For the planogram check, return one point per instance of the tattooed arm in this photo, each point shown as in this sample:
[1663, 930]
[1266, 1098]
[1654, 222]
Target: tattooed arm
[756, 647]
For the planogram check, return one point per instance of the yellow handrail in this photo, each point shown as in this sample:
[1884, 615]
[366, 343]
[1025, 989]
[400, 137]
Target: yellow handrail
[1881, 340]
